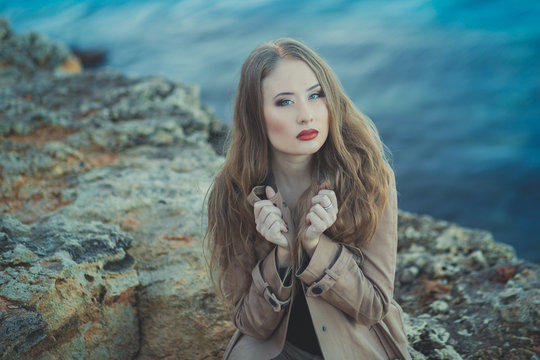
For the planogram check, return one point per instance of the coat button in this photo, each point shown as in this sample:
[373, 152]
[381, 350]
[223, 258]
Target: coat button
[324, 328]
[317, 290]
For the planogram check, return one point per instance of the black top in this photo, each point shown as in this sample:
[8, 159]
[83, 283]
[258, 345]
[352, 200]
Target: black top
[300, 331]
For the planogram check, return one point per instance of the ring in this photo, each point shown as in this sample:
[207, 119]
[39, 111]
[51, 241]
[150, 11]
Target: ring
[328, 207]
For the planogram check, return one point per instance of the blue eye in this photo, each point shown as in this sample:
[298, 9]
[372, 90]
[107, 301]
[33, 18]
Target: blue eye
[316, 95]
[284, 102]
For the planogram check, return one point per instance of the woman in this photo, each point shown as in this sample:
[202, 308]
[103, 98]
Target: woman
[303, 218]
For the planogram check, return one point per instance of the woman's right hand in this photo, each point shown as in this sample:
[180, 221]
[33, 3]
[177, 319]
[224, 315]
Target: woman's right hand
[269, 221]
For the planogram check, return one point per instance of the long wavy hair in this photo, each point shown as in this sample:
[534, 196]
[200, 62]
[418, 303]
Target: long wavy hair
[352, 162]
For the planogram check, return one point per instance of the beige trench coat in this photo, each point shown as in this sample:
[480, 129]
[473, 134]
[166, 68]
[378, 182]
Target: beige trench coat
[348, 291]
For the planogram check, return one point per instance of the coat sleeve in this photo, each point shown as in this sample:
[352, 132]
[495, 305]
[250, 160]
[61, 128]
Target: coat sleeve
[259, 311]
[361, 288]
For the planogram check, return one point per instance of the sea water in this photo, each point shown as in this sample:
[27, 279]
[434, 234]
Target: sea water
[453, 86]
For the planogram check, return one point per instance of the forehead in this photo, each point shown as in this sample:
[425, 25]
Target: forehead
[290, 75]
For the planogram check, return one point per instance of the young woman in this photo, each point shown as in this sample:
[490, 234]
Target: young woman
[303, 218]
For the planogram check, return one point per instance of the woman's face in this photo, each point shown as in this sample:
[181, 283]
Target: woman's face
[295, 110]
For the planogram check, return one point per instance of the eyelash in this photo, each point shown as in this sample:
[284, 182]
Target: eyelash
[282, 102]
[319, 94]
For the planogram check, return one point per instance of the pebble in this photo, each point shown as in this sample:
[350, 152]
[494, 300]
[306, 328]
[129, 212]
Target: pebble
[439, 306]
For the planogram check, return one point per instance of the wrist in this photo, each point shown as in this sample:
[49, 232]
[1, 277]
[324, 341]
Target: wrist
[310, 245]
[283, 256]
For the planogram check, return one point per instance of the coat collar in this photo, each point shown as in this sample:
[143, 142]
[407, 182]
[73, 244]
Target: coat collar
[258, 193]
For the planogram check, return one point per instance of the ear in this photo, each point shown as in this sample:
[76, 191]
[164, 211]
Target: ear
[270, 193]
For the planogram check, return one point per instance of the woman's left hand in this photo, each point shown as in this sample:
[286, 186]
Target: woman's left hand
[321, 216]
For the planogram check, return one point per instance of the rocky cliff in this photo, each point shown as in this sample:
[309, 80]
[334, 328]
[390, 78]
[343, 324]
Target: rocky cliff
[103, 179]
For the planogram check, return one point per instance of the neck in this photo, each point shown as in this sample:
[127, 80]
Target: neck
[291, 169]
[292, 175]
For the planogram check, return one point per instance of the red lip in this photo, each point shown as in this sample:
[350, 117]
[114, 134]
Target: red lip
[307, 135]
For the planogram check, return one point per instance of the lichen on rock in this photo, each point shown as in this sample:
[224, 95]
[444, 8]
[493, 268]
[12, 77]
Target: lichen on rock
[458, 304]
[28, 53]
[55, 288]
[103, 179]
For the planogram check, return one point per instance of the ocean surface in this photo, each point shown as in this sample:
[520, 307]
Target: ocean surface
[453, 86]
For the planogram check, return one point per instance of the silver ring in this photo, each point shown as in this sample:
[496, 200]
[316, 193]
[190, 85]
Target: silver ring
[328, 207]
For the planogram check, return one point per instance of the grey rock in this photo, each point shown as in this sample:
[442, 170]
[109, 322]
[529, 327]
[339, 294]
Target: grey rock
[459, 289]
[65, 282]
[20, 330]
[104, 177]
[84, 242]
[29, 52]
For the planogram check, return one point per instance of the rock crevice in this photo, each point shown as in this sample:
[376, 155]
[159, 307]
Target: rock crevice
[103, 179]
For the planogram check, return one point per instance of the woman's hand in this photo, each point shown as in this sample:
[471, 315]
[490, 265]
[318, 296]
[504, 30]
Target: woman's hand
[321, 216]
[268, 219]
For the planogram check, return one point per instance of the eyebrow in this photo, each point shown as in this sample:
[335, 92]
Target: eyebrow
[291, 93]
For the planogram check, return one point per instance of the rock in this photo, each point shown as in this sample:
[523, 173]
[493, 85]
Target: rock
[100, 148]
[28, 53]
[66, 287]
[519, 301]
[429, 339]
[463, 306]
[103, 179]
[156, 194]
[439, 306]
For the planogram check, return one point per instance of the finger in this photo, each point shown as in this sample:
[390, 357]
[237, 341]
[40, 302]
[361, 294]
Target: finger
[324, 215]
[266, 211]
[271, 220]
[322, 199]
[331, 194]
[316, 226]
[282, 228]
[276, 236]
[269, 210]
[277, 228]
[315, 221]
[264, 227]
[264, 217]
[325, 202]
[270, 193]
[281, 241]
[333, 200]
[323, 220]
[259, 205]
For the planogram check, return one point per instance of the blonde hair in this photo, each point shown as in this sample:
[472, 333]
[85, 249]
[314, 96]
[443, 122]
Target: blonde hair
[352, 163]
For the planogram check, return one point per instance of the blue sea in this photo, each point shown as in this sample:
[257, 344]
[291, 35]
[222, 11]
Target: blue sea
[453, 86]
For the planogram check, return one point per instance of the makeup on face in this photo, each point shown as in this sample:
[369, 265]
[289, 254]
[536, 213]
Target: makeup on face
[307, 135]
[295, 110]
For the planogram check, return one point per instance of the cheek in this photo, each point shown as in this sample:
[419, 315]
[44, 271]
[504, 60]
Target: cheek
[275, 126]
[323, 115]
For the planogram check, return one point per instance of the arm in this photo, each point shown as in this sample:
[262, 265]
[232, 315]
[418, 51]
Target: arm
[258, 311]
[364, 290]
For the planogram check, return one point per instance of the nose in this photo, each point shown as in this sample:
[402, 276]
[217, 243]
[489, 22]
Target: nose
[305, 115]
